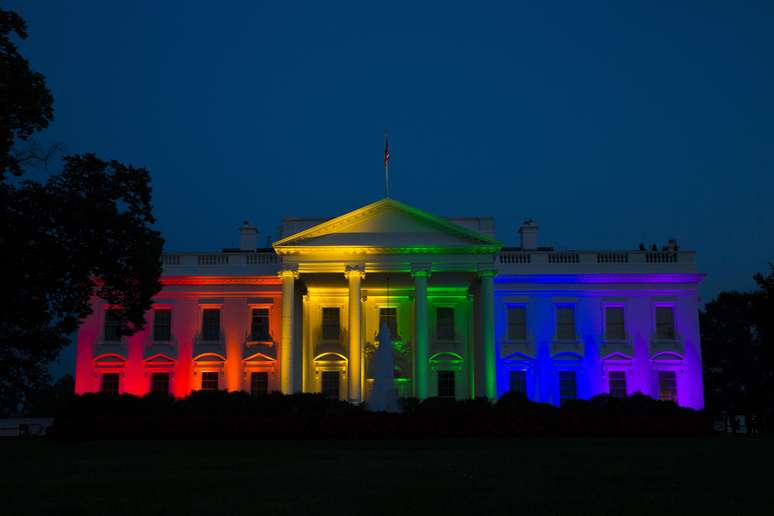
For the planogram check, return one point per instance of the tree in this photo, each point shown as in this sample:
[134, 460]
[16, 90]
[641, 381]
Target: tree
[738, 351]
[26, 104]
[85, 232]
[50, 398]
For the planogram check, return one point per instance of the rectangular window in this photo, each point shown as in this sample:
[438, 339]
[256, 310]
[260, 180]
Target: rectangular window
[211, 324]
[160, 383]
[446, 384]
[444, 323]
[110, 383]
[331, 325]
[518, 382]
[210, 381]
[259, 324]
[517, 323]
[565, 323]
[112, 323]
[617, 381]
[390, 316]
[614, 323]
[568, 386]
[667, 385]
[259, 383]
[330, 384]
[162, 324]
[665, 322]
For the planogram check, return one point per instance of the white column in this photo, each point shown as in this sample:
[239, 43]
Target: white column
[421, 357]
[287, 358]
[487, 327]
[355, 371]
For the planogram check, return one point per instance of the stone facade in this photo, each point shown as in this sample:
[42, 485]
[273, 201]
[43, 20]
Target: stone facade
[469, 317]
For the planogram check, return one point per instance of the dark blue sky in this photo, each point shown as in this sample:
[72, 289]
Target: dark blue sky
[609, 123]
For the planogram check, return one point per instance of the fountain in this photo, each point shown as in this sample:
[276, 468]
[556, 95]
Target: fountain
[384, 396]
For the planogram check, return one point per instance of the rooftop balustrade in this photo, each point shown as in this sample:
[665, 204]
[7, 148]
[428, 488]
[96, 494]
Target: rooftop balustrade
[263, 262]
[509, 261]
[568, 262]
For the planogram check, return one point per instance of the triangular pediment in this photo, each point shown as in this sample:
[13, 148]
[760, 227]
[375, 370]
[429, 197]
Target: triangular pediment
[389, 226]
[258, 358]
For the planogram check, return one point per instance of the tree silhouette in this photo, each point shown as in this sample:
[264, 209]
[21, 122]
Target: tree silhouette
[86, 231]
[26, 104]
[738, 351]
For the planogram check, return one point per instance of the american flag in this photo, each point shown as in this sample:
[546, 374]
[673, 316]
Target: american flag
[386, 151]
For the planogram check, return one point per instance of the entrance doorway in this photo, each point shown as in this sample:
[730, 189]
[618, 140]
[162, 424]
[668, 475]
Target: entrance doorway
[330, 384]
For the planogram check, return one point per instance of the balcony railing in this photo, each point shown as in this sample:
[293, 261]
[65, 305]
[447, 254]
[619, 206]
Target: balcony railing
[264, 262]
[594, 261]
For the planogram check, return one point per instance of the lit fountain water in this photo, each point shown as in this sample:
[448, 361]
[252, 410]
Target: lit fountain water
[384, 396]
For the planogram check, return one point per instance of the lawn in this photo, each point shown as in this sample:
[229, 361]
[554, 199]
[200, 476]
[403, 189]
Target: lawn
[717, 475]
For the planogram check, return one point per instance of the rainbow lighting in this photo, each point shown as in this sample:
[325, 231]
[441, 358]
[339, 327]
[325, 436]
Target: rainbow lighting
[468, 316]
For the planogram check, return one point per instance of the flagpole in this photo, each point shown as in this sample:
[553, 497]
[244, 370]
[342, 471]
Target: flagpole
[386, 165]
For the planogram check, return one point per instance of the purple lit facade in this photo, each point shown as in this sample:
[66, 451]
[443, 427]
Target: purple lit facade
[622, 332]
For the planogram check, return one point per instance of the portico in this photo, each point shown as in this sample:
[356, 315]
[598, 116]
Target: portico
[428, 277]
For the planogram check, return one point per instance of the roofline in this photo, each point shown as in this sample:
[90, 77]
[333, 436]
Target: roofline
[444, 223]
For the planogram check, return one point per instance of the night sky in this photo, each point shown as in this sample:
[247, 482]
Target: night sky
[610, 123]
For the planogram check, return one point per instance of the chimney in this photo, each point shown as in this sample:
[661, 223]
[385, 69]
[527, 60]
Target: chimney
[529, 234]
[248, 235]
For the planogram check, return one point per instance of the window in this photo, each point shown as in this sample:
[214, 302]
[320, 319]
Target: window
[110, 383]
[160, 383]
[330, 384]
[667, 385]
[517, 323]
[390, 316]
[518, 382]
[446, 384]
[614, 323]
[259, 383]
[665, 322]
[330, 323]
[259, 324]
[565, 323]
[162, 324]
[568, 386]
[210, 381]
[444, 323]
[112, 323]
[211, 324]
[617, 384]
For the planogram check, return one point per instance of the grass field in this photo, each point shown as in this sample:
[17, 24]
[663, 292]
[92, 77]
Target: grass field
[713, 475]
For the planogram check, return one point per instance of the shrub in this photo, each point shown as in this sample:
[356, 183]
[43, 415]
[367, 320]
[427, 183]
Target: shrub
[238, 415]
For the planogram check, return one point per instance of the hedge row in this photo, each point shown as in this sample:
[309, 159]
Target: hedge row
[238, 415]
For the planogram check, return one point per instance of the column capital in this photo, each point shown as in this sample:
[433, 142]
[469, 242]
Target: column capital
[355, 270]
[288, 273]
[421, 270]
[486, 272]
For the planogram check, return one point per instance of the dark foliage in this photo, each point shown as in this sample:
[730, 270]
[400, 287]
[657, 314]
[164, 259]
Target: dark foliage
[238, 415]
[49, 399]
[26, 104]
[85, 232]
[738, 353]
